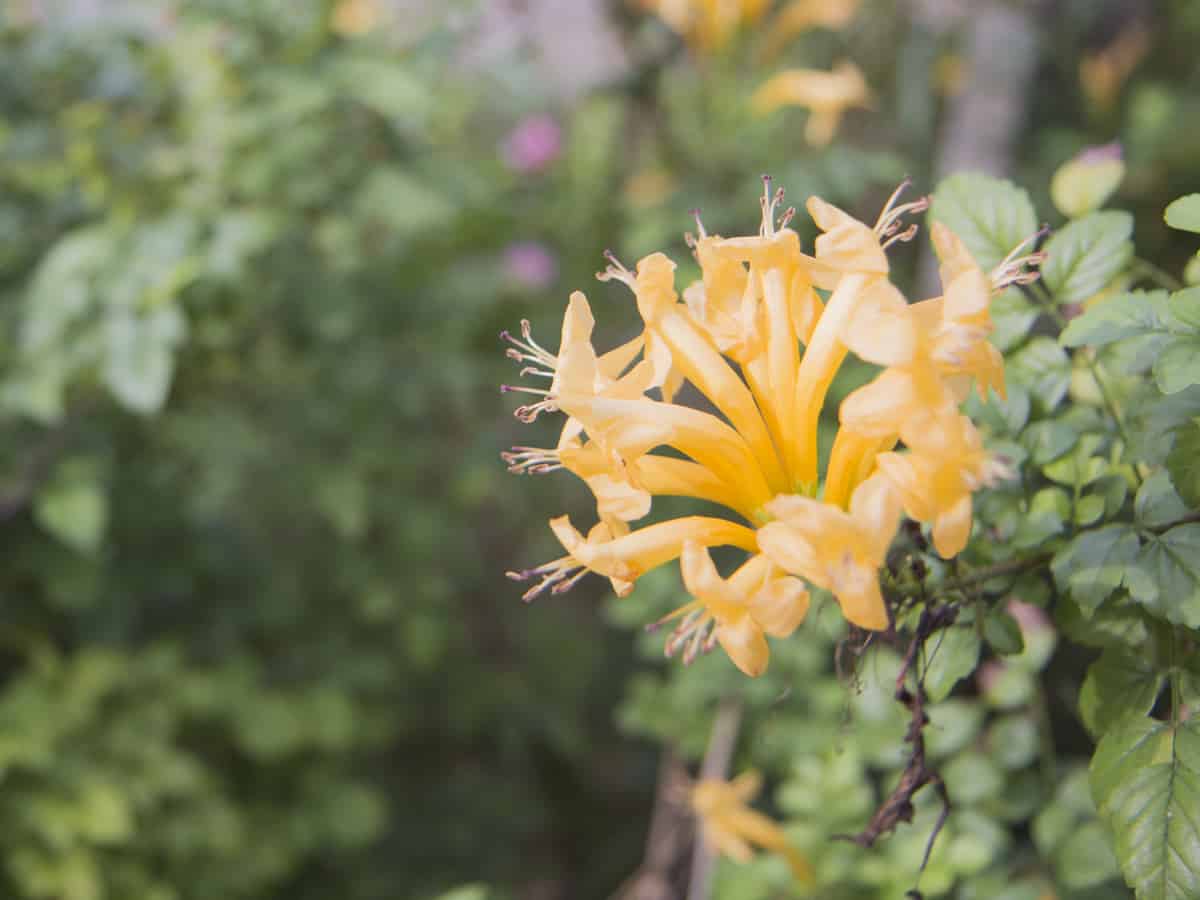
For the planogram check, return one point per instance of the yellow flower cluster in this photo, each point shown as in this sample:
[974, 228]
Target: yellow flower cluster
[736, 336]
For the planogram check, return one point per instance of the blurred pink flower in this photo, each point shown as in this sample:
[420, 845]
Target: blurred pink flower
[533, 144]
[530, 264]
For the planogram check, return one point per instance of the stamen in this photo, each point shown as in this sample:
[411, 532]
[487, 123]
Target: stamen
[616, 271]
[531, 460]
[699, 225]
[786, 218]
[1017, 269]
[528, 350]
[556, 576]
[768, 202]
[888, 220]
[903, 237]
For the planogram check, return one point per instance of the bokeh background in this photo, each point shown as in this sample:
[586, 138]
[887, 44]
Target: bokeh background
[256, 638]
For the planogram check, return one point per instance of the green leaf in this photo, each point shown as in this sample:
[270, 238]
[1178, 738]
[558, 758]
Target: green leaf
[1094, 564]
[1166, 577]
[1044, 368]
[1087, 254]
[1156, 502]
[1183, 462]
[1178, 365]
[1002, 633]
[1128, 315]
[141, 355]
[1146, 782]
[1012, 317]
[1120, 683]
[73, 506]
[950, 655]
[1116, 623]
[1184, 213]
[991, 216]
[1086, 858]
[1081, 467]
[1048, 440]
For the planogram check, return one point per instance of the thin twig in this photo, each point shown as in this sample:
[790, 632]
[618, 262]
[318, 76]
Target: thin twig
[717, 758]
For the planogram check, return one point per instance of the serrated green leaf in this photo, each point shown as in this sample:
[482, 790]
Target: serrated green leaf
[1087, 254]
[1048, 440]
[1044, 368]
[1079, 468]
[1002, 633]
[1128, 315]
[950, 655]
[1146, 782]
[1120, 683]
[1157, 502]
[1183, 311]
[1184, 213]
[1094, 564]
[1012, 317]
[1117, 622]
[1183, 462]
[991, 216]
[1178, 365]
[1166, 577]
[1086, 858]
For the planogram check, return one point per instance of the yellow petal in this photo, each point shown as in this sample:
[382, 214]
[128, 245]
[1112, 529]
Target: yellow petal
[952, 529]
[860, 599]
[792, 550]
[618, 498]
[901, 469]
[881, 407]
[780, 606]
[743, 642]
[881, 330]
[875, 509]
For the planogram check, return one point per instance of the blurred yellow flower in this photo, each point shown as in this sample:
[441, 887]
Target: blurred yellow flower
[354, 17]
[1103, 73]
[706, 24]
[800, 16]
[756, 601]
[731, 827]
[755, 339]
[826, 94]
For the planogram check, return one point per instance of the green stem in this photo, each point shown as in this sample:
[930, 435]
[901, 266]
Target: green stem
[1160, 277]
[1039, 295]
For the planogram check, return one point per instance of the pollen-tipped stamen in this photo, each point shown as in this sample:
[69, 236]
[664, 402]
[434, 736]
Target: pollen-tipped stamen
[1020, 269]
[565, 570]
[528, 350]
[888, 221]
[616, 271]
[531, 460]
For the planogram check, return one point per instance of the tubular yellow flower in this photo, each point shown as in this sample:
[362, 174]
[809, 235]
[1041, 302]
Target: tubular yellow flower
[731, 827]
[706, 24]
[753, 336]
[756, 601]
[800, 16]
[836, 549]
[826, 94]
[947, 463]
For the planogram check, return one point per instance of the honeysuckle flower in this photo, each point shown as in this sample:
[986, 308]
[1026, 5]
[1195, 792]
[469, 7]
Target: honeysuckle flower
[706, 24]
[352, 18]
[800, 16]
[731, 827]
[944, 348]
[757, 600]
[935, 480]
[836, 549]
[826, 94]
[753, 337]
